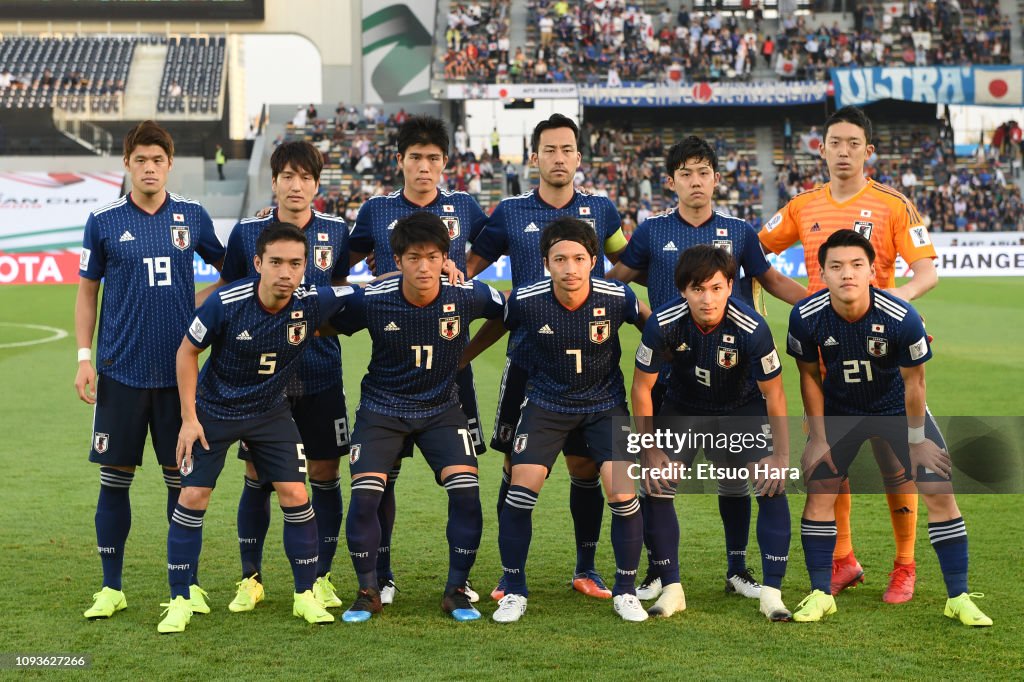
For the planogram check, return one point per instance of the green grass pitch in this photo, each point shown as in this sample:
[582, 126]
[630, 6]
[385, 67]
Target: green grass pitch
[49, 566]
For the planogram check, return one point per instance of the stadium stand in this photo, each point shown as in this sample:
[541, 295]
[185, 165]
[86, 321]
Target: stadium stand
[476, 45]
[193, 73]
[38, 72]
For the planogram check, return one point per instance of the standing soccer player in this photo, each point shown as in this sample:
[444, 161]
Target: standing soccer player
[725, 378]
[423, 144]
[315, 394]
[873, 347]
[893, 226]
[142, 246]
[418, 324]
[653, 251]
[259, 328]
[515, 229]
[569, 329]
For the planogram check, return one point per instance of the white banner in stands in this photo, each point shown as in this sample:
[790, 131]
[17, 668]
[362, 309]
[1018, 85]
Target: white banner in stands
[512, 91]
[945, 240]
[981, 261]
[40, 211]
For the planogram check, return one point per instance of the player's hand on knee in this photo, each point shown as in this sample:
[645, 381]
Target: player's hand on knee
[654, 458]
[85, 382]
[190, 432]
[770, 479]
[817, 452]
[930, 456]
[452, 272]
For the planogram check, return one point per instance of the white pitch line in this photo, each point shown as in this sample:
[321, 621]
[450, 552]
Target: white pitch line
[58, 334]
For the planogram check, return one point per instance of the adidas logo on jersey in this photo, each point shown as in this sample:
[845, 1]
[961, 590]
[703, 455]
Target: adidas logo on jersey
[671, 246]
[244, 336]
[831, 341]
[127, 237]
[545, 330]
[392, 327]
[532, 227]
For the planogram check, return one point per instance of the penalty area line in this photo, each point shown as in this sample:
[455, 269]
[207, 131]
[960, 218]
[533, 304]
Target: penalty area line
[56, 334]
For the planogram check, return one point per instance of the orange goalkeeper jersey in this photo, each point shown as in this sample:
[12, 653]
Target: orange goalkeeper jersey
[880, 213]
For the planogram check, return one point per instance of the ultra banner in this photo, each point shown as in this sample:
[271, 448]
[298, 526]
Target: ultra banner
[988, 85]
[757, 93]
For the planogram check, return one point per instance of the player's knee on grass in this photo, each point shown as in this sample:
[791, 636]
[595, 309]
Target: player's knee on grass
[941, 506]
[291, 493]
[820, 507]
[195, 498]
[580, 466]
[530, 476]
[322, 469]
[457, 469]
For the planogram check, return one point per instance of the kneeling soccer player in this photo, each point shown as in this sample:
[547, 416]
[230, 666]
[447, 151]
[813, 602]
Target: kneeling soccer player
[725, 379]
[258, 328]
[874, 347]
[418, 323]
[569, 324]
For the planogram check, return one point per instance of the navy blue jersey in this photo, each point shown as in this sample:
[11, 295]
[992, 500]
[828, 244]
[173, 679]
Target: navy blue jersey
[573, 355]
[255, 352]
[863, 358]
[377, 217]
[656, 245]
[326, 264]
[713, 372]
[146, 261]
[416, 350]
[516, 224]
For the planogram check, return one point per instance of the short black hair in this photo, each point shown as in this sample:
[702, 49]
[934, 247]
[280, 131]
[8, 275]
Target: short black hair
[852, 115]
[700, 263]
[841, 238]
[281, 232]
[692, 147]
[567, 229]
[423, 130]
[419, 228]
[148, 133]
[301, 155]
[550, 123]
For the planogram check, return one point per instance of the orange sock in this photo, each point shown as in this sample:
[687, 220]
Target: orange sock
[844, 540]
[903, 510]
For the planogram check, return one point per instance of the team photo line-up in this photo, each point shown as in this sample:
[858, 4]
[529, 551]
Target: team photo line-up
[273, 381]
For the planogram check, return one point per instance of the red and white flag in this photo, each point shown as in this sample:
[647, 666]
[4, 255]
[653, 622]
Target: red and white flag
[999, 87]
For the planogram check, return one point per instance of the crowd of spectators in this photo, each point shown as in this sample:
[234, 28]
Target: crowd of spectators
[476, 41]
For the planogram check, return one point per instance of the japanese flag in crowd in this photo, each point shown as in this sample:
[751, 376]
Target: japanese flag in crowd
[998, 86]
[810, 143]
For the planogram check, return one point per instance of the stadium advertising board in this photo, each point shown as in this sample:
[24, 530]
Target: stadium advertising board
[41, 220]
[988, 85]
[132, 9]
[397, 51]
[756, 93]
[512, 91]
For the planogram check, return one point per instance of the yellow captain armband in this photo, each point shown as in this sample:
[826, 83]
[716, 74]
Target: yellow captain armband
[615, 243]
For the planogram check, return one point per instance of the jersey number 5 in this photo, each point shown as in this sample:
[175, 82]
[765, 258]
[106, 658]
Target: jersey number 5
[268, 363]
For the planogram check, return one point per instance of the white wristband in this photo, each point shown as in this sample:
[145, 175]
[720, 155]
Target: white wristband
[85, 354]
[915, 434]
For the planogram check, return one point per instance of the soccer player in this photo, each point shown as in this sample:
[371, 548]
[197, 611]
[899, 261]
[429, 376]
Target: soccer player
[316, 394]
[418, 323]
[892, 224]
[423, 144]
[514, 228]
[873, 346]
[258, 327]
[142, 246]
[653, 252]
[569, 329]
[725, 378]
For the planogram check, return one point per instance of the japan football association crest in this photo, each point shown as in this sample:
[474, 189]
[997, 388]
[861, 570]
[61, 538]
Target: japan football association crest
[863, 228]
[727, 357]
[877, 347]
[181, 237]
[520, 443]
[448, 327]
[100, 442]
[504, 432]
[725, 244]
[353, 453]
[599, 331]
[591, 222]
[323, 257]
[452, 223]
[296, 332]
